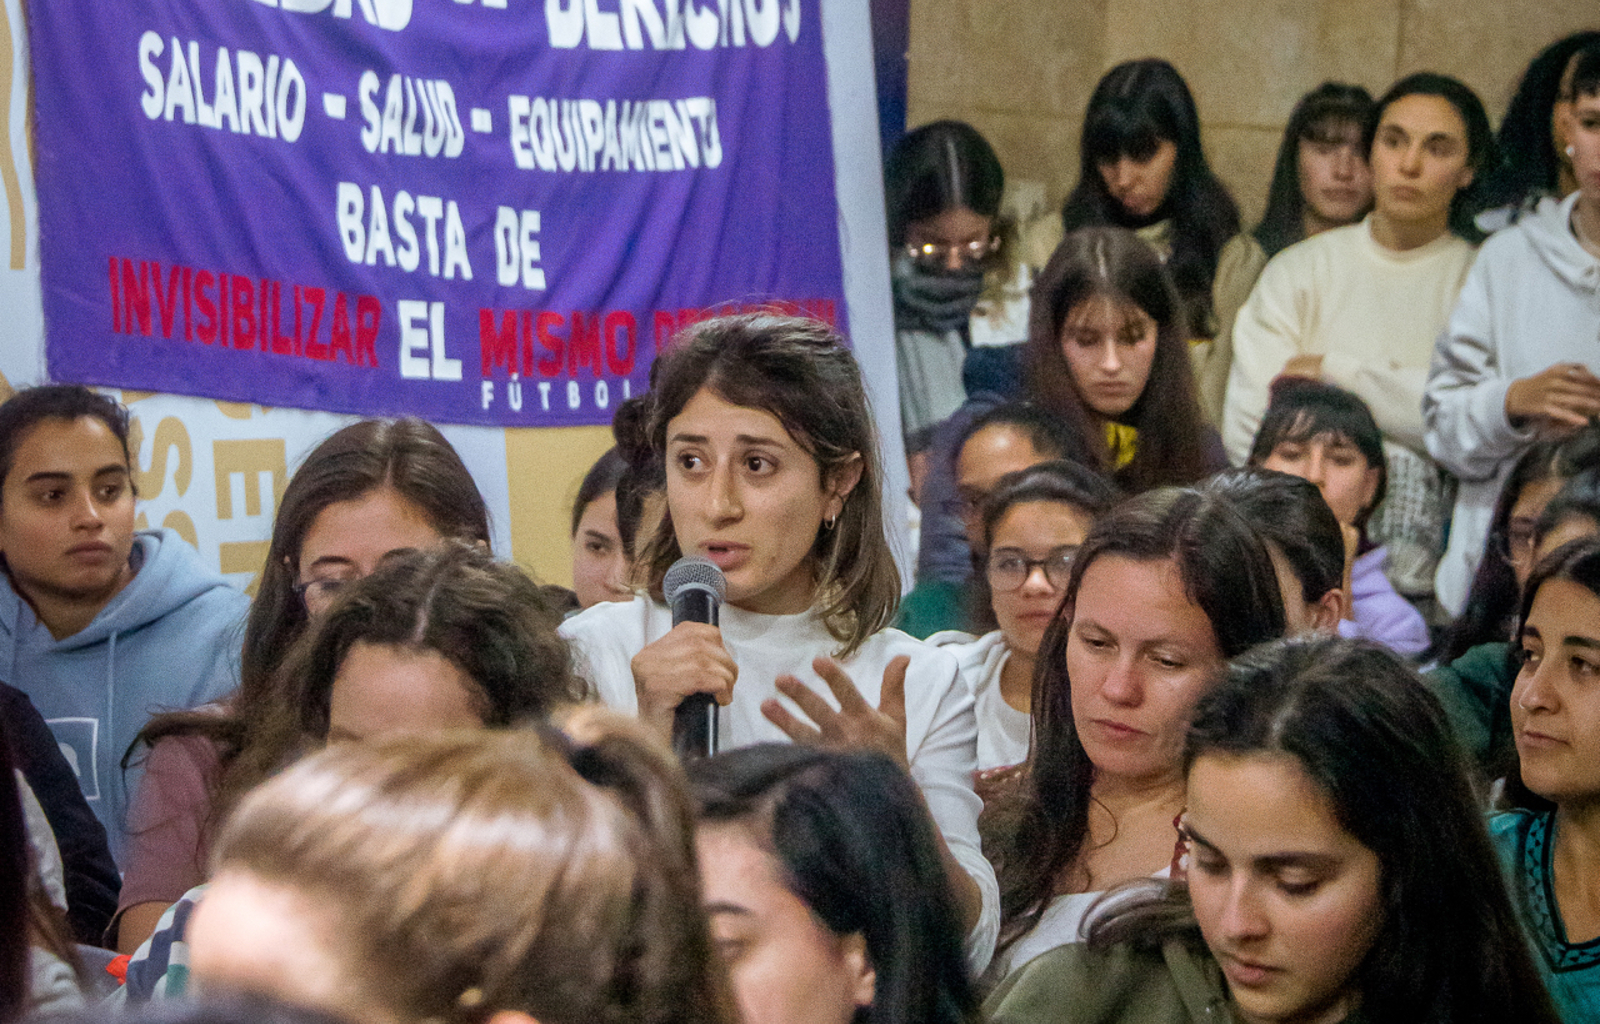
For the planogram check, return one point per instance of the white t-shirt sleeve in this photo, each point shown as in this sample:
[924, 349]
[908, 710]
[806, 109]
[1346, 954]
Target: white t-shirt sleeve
[942, 747]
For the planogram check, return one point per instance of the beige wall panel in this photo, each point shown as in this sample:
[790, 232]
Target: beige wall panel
[1247, 61]
[941, 61]
[1041, 59]
[1487, 44]
[1242, 157]
[1045, 146]
[544, 469]
[1020, 72]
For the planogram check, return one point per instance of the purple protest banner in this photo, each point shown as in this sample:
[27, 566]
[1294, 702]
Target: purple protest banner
[491, 212]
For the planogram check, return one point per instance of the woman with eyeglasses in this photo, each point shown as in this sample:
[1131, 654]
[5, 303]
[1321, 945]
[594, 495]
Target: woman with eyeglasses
[371, 491]
[1503, 566]
[1032, 524]
[950, 248]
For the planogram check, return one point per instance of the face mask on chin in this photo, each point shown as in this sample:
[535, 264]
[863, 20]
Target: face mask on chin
[934, 300]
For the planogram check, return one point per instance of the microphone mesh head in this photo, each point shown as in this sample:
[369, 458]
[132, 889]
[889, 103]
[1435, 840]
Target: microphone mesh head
[692, 569]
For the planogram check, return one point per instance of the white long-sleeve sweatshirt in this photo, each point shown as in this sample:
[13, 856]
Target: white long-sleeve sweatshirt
[1372, 314]
[1532, 299]
[941, 726]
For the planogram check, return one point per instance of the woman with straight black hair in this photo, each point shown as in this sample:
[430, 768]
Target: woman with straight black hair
[1320, 180]
[821, 875]
[1339, 869]
[1303, 199]
[951, 262]
[1547, 844]
[1107, 353]
[1532, 141]
[1144, 168]
[1166, 588]
[1302, 535]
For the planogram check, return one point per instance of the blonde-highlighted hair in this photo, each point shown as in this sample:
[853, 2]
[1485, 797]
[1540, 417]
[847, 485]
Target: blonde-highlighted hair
[468, 873]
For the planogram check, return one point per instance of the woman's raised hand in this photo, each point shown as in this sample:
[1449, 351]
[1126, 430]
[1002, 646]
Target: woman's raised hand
[855, 725]
[689, 659]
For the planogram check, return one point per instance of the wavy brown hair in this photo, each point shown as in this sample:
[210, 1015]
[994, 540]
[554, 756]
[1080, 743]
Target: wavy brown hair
[470, 873]
[800, 371]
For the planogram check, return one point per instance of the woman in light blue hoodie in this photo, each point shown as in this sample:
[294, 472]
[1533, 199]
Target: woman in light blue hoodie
[101, 626]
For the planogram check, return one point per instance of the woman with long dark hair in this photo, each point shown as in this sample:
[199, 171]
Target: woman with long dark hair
[1338, 869]
[1320, 180]
[950, 251]
[821, 875]
[1143, 168]
[1165, 589]
[1107, 352]
[1548, 851]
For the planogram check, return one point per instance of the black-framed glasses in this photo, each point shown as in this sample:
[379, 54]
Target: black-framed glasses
[1009, 569]
[940, 253]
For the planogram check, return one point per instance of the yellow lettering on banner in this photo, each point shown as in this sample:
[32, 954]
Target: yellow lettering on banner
[237, 410]
[170, 434]
[183, 526]
[245, 556]
[250, 458]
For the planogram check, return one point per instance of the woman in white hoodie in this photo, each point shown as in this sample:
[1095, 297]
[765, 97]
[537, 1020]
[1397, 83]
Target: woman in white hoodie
[1518, 359]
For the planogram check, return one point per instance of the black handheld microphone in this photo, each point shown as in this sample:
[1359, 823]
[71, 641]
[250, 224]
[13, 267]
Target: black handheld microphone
[694, 588]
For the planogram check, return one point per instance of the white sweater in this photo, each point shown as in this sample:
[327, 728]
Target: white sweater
[941, 728]
[1531, 300]
[1370, 312]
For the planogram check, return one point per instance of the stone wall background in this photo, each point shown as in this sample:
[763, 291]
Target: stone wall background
[1021, 71]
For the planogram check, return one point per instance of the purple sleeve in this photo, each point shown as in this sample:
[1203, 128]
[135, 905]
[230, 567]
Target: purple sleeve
[1381, 614]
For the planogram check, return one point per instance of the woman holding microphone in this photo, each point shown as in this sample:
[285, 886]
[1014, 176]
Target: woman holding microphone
[773, 475]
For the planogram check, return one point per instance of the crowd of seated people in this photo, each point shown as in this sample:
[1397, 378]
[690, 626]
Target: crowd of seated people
[1259, 578]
